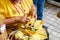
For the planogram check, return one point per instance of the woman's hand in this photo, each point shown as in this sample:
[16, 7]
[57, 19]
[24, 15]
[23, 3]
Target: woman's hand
[33, 12]
[22, 19]
[34, 15]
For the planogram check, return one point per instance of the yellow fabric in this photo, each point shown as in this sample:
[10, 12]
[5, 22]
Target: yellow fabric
[8, 10]
[39, 34]
[41, 31]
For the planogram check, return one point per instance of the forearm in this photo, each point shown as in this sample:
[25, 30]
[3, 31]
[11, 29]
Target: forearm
[9, 21]
[33, 11]
[17, 19]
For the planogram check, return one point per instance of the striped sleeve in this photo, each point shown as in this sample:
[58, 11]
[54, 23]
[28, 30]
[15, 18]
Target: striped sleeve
[30, 2]
[2, 10]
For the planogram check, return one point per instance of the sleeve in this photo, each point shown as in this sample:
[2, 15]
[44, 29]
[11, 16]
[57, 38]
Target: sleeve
[2, 10]
[30, 2]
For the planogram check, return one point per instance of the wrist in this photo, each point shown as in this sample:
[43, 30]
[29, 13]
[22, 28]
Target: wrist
[16, 20]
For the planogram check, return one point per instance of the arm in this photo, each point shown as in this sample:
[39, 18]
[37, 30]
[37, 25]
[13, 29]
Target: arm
[33, 11]
[9, 21]
[17, 19]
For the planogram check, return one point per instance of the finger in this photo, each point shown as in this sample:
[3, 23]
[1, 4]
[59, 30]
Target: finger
[23, 21]
[27, 21]
[35, 16]
[28, 18]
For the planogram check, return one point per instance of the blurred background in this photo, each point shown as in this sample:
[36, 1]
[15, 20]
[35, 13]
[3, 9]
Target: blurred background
[51, 19]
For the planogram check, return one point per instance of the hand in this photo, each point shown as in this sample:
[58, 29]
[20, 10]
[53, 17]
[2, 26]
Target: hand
[34, 15]
[33, 12]
[22, 19]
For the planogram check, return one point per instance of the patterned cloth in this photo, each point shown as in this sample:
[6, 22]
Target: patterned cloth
[19, 9]
[8, 10]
